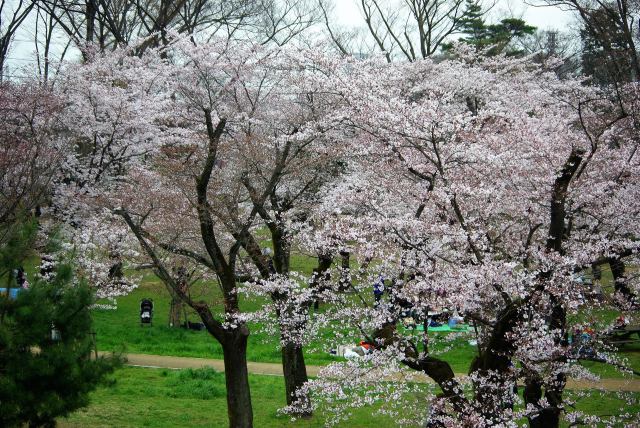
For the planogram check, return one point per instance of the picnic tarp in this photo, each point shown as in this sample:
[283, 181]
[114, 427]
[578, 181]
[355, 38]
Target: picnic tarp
[13, 292]
[444, 327]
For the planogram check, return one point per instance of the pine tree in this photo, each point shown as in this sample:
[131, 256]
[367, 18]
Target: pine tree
[46, 369]
[473, 25]
[495, 38]
[501, 35]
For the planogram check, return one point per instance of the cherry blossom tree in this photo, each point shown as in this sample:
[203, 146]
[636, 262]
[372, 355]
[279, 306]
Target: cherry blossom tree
[189, 150]
[479, 184]
[30, 152]
[486, 186]
[282, 180]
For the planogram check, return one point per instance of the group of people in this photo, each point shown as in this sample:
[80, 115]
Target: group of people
[407, 314]
[47, 272]
[20, 277]
[363, 348]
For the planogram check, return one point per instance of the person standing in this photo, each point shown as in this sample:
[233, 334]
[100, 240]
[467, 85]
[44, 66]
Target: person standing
[21, 278]
[378, 289]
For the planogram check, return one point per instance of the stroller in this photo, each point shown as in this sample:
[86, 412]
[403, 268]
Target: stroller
[146, 312]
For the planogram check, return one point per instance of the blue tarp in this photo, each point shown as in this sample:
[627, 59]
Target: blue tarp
[13, 292]
[445, 327]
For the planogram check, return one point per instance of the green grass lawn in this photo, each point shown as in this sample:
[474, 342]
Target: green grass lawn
[159, 398]
[191, 398]
[120, 329]
[141, 397]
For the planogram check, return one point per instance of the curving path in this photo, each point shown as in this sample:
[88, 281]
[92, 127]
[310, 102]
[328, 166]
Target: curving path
[272, 369]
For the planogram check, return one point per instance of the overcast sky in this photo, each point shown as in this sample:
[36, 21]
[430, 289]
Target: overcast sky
[544, 18]
[347, 13]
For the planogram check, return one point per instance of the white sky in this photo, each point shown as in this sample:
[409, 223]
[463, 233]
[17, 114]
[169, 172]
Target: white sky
[346, 13]
[545, 18]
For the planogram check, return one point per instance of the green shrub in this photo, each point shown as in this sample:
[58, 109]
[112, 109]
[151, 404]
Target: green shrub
[203, 384]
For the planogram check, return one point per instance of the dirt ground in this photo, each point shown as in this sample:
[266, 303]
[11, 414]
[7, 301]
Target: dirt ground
[270, 369]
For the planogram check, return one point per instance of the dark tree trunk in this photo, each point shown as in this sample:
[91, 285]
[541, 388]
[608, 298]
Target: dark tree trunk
[532, 395]
[281, 250]
[320, 273]
[494, 364]
[294, 367]
[176, 308]
[620, 279]
[175, 311]
[236, 374]
[295, 376]
[442, 373]
[596, 271]
[438, 370]
[550, 416]
[345, 272]
[90, 14]
[293, 364]
[547, 417]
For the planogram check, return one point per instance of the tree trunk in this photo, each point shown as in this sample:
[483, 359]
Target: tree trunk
[293, 365]
[345, 271]
[236, 374]
[553, 393]
[494, 388]
[550, 416]
[596, 272]
[295, 376]
[281, 250]
[532, 395]
[2, 58]
[620, 279]
[175, 311]
[547, 417]
[438, 370]
[90, 15]
[320, 273]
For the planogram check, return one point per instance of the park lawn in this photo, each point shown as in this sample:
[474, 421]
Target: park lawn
[142, 397]
[195, 398]
[606, 404]
[120, 329]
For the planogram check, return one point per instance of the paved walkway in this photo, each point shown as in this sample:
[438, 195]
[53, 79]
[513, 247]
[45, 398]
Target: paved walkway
[272, 369]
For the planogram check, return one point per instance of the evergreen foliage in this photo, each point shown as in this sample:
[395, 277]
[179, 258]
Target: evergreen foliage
[495, 38]
[46, 366]
[606, 54]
